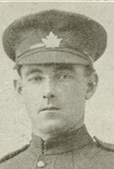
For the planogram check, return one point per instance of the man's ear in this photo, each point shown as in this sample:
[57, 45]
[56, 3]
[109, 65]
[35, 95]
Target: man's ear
[17, 86]
[91, 86]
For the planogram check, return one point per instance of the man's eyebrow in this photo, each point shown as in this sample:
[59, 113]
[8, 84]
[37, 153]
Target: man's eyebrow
[65, 67]
[33, 71]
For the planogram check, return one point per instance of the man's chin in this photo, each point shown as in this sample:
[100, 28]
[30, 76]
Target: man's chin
[52, 127]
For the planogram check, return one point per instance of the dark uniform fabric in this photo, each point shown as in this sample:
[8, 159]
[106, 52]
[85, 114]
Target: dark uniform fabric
[73, 150]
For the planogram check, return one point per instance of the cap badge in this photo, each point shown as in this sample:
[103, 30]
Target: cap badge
[51, 41]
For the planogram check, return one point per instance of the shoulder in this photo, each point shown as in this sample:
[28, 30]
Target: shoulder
[98, 155]
[14, 153]
[104, 145]
[104, 153]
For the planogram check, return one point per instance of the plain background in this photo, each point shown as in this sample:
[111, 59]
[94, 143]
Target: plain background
[15, 128]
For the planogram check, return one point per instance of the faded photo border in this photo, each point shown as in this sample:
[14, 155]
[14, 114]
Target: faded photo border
[15, 127]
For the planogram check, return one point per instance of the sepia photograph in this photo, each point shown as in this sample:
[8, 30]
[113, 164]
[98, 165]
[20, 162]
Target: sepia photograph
[57, 85]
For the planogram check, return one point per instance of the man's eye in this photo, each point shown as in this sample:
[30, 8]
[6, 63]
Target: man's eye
[35, 79]
[63, 76]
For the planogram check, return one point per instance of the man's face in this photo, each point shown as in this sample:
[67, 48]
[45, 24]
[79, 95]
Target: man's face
[54, 96]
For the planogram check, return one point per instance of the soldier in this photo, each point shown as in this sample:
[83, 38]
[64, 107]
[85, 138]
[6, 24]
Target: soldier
[54, 53]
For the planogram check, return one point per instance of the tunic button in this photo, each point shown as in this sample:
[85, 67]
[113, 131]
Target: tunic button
[41, 164]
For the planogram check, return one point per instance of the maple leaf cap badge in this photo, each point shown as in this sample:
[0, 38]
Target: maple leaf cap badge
[51, 41]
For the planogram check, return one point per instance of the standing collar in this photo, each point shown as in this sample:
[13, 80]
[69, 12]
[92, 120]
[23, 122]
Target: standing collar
[75, 139]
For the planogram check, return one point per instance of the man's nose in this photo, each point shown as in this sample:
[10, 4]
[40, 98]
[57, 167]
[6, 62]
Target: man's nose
[49, 91]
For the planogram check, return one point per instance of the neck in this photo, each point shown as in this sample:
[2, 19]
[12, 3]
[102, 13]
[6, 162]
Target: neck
[48, 135]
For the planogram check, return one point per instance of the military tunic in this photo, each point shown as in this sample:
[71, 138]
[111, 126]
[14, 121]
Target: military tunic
[74, 150]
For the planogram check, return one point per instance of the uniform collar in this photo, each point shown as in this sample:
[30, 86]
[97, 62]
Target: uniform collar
[66, 142]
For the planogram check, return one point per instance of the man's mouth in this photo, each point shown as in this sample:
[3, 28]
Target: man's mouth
[50, 109]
